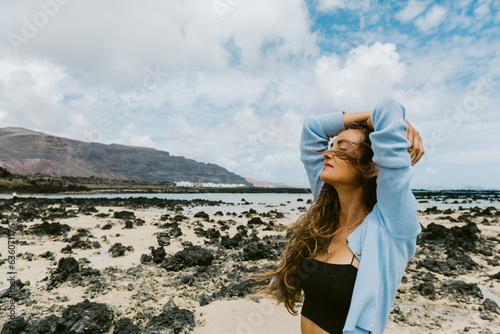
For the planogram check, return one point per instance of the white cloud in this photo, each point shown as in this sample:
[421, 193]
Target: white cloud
[432, 18]
[242, 143]
[368, 73]
[31, 93]
[462, 4]
[480, 156]
[461, 21]
[328, 6]
[235, 89]
[431, 170]
[331, 5]
[125, 38]
[280, 160]
[413, 9]
[482, 10]
[134, 136]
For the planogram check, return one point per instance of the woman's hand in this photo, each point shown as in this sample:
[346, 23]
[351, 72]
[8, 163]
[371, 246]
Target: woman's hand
[416, 149]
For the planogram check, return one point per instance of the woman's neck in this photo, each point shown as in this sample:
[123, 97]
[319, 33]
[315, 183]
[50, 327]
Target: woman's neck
[352, 207]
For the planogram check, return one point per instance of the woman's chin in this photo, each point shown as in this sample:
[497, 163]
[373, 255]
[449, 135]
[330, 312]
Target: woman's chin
[327, 179]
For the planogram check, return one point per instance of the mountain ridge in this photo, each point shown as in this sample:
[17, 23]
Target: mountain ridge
[24, 151]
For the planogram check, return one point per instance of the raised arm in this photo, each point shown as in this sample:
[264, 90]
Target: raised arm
[316, 133]
[396, 204]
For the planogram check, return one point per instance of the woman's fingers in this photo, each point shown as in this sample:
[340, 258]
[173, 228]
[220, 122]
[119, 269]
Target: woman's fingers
[420, 151]
[416, 148]
[411, 139]
[410, 136]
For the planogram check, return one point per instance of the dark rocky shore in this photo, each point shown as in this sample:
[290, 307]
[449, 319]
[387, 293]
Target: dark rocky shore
[197, 259]
[225, 256]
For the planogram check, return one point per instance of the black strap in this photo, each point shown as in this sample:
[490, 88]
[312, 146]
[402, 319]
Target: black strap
[353, 256]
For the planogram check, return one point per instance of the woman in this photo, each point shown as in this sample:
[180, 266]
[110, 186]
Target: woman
[349, 252]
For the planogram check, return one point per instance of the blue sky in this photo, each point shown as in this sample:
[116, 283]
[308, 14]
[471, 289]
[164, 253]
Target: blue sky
[230, 81]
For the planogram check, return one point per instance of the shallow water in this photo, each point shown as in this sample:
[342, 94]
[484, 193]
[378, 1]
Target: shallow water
[282, 202]
[102, 256]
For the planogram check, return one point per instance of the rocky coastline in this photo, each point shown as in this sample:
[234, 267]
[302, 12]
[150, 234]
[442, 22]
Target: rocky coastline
[149, 265]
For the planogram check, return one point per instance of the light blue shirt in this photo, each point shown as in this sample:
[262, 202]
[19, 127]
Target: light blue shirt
[386, 240]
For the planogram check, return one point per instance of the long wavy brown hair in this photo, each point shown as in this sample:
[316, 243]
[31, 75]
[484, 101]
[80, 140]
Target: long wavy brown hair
[311, 234]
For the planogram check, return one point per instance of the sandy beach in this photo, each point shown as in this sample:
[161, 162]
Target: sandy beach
[166, 266]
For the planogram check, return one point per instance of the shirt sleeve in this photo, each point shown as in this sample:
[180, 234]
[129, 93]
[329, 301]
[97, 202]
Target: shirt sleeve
[316, 133]
[396, 204]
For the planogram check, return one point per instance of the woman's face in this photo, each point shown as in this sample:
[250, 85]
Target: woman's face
[337, 171]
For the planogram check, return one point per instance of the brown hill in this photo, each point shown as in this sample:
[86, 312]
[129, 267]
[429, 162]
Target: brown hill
[24, 151]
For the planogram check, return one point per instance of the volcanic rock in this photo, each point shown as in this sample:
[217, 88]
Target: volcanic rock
[172, 318]
[49, 229]
[188, 257]
[202, 215]
[87, 318]
[461, 291]
[68, 269]
[123, 215]
[118, 249]
[163, 239]
[126, 326]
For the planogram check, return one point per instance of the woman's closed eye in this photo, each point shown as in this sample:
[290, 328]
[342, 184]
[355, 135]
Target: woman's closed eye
[338, 148]
[341, 147]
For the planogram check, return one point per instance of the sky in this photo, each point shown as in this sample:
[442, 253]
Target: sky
[230, 81]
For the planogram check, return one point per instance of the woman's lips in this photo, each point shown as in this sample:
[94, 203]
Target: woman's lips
[327, 165]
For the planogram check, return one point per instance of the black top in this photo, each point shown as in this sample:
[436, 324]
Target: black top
[328, 290]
